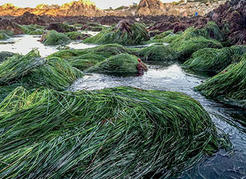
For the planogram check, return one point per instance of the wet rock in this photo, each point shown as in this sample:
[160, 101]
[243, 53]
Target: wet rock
[59, 27]
[8, 25]
[28, 18]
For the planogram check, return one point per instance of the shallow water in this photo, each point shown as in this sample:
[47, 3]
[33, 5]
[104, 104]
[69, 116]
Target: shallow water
[223, 164]
[23, 44]
[165, 77]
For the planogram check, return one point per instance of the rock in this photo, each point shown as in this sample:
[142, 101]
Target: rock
[28, 18]
[59, 27]
[8, 25]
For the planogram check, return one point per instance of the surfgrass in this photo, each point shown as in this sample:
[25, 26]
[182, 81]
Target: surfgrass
[55, 38]
[119, 132]
[228, 86]
[126, 34]
[122, 64]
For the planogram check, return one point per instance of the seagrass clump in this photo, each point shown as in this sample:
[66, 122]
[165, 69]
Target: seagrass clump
[34, 71]
[157, 53]
[122, 64]
[124, 33]
[54, 38]
[229, 86]
[119, 132]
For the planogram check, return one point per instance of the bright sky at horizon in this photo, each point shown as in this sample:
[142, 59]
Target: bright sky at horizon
[103, 4]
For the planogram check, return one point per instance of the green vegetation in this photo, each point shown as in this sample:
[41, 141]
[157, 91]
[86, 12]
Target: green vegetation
[55, 38]
[18, 66]
[122, 64]
[5, 34]
[124, 33]
[186, 47]
[55, 73]
[214, 60]
[157, 53]
[228, 86]
[112, 132]
[32, 29]
[4, 55]
[209, 60]
[34, 71]
[76, 35]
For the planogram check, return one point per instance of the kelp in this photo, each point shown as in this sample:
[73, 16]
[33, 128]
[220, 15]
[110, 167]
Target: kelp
[229, 86]
[117, 133]
[157, 53]
[55, 38]
[33, 29]
[122, 64]
[124, 33]
[35, 72]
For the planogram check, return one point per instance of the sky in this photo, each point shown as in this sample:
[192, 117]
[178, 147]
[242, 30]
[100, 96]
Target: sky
[103, 4]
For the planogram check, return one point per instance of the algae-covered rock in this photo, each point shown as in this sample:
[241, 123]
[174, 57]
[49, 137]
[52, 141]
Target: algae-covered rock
[122, 64]
[87, 133]
[157, 53]
[54, 38]
[124, 33]
[228, 86]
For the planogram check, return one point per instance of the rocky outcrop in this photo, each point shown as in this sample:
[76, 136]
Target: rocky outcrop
[8, 25]
[29, 18]
[76, 8]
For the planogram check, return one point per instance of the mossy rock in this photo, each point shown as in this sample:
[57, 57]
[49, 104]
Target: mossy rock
[125, 33]
[55, 38]
[122, 125]
[122, 64]
[157, 53]
[228, 86]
